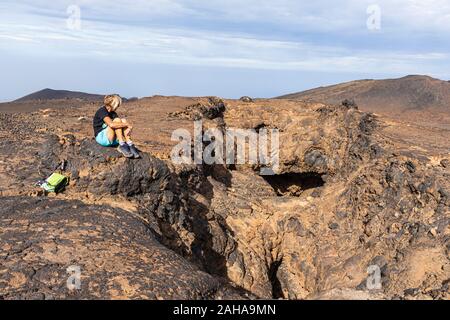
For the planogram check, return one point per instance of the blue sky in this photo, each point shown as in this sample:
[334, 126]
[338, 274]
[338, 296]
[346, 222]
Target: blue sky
[227, 48]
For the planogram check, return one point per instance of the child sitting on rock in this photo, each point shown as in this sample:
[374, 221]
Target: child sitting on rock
[112, 131]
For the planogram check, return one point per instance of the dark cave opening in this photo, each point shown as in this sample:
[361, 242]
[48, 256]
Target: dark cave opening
[277, 291]
[293, 184]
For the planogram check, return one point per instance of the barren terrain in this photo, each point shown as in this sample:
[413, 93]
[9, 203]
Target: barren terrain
[354, 190]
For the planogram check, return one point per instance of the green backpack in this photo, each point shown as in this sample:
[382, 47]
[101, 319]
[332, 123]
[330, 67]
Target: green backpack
[55, 183]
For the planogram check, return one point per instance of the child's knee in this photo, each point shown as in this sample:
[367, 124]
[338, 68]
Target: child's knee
[117, 120]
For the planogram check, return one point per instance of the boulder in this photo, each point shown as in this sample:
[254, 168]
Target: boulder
[246, 99]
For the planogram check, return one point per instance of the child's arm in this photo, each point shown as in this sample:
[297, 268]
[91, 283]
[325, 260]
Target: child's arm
[115, 125]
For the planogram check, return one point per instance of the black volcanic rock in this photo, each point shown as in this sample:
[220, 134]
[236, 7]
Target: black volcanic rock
[246, 99]
[42, 238]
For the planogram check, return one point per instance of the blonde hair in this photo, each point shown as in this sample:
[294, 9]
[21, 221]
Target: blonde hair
[114, 101]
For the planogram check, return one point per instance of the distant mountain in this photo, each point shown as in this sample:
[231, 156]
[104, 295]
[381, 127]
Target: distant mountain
[410, 93]
[50, 94]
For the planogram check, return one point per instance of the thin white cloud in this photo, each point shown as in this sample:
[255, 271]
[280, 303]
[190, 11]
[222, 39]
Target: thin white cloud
[43, 25]
[326, 15]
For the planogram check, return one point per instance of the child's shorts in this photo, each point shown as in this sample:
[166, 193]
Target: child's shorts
[102, 138]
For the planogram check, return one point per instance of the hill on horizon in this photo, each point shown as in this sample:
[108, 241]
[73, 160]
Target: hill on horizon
[411, 93]
[51, 94]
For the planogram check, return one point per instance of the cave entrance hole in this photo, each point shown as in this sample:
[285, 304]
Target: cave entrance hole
[293, 184]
